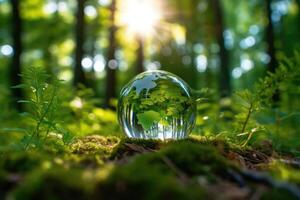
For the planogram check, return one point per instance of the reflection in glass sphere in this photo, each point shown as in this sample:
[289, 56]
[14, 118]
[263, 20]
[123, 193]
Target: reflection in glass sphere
[157, 105]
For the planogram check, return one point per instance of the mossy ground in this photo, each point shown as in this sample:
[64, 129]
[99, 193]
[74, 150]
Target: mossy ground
[96, 167]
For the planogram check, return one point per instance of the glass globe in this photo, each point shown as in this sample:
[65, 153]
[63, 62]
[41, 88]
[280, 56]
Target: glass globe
[157, 105]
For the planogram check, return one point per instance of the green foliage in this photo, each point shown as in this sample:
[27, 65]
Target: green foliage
[265, 96]
[44, 105]
[252, 115]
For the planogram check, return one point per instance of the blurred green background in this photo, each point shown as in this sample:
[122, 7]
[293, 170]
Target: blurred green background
[220, 44]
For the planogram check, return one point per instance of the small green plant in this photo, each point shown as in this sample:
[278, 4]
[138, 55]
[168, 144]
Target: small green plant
[44, 106]
[264, 96]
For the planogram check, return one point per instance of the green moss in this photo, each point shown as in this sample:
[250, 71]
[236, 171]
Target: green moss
[94, 144]
[221, 145]
[148, 185]
[194, 158]
[146, 178]
[284, 172]
[53, 184]
[169, 173]
[137, 169]
[22, 161]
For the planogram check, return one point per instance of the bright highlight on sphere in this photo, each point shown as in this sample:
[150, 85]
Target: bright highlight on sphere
[140, 16]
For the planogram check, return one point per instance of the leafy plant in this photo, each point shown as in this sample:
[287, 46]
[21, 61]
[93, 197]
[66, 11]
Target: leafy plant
[265, 95]
[44, 106]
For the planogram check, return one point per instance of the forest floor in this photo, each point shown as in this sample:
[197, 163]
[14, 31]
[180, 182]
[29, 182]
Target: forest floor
[97, 167]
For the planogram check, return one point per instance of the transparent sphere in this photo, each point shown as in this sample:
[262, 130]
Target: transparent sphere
[157, 105]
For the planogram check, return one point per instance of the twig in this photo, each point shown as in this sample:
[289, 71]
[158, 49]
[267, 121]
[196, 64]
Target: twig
[247, 118]
[268, 180]
[237, 177]
[175, 169]
[295, 163]
[248, 138]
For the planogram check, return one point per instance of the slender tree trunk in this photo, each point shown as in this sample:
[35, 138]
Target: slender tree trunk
[140, 55]
[270, 38]
[93, 33]
[15, 68]
[110, 89]
[298, 5]
[48, 58]
[224, 84]
[79, 76]
[192, 37]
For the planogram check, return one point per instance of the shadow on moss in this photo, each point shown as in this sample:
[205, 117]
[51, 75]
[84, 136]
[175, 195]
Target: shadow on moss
[169, 173]
[53, 184]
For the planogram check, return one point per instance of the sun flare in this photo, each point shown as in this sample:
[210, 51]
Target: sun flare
[140, 17]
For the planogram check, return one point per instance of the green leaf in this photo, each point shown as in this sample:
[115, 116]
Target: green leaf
[148, 118]
[13, 130]
[25, 101]
[19, 86]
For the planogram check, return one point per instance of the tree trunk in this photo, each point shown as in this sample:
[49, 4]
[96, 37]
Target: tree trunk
[298, 17]
[110, 89]
[15, 68]
[298, 5]
[79, 76]
[192, 37]
[93, 35]
[140, 55]
[270, 38]
[224, 84]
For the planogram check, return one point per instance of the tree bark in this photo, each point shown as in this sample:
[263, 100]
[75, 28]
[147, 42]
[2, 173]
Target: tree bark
[79, 76]
[270, 38]
[298, 5]
[140, 55]
[192, 36]
[110, 89]
[224, 84]
[15, 68]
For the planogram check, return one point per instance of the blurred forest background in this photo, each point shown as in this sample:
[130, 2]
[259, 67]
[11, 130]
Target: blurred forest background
[224, 45]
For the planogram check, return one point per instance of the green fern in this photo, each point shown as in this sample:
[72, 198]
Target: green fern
[44, 106]
[261, 97]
